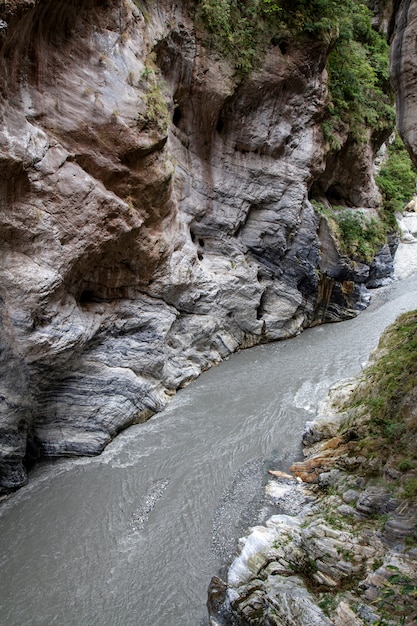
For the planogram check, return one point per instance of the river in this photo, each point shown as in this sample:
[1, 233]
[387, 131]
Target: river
[132, 538]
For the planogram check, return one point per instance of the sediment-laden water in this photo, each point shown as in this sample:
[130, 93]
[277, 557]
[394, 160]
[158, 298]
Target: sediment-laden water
[132, 538]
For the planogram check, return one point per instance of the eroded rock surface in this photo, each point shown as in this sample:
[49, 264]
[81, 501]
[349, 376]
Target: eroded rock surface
[154, 215]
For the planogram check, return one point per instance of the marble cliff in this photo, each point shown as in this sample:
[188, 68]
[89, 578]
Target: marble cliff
[403, 71]
[155, 213]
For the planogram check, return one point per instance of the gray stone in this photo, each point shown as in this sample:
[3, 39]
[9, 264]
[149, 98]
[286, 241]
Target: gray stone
[382, 269]
[375, 501]
[366, 613]
[396, 529]
[288, 602]
[328, 479]
[403, 74]
[346, 617]
[350, 496]
[347, 510]
[154, 217]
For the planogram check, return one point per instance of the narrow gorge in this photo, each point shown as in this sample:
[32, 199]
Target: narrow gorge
[163, 207]
[179, 181]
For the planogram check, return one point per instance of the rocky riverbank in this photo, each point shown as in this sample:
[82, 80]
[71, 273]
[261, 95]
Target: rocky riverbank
[342, 551]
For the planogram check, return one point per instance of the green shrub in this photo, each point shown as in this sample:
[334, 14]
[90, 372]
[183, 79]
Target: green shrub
[359, 237]
[397, 599]
[410, 488]
[241, 29]
[234, 29]
[320, 208]
[157, 114]
[358, 66]
[328, 603]
[390, 431]
[397, 178]
[405, 465]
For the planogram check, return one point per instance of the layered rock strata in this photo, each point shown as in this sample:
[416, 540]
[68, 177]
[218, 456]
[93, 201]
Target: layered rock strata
[155, 215]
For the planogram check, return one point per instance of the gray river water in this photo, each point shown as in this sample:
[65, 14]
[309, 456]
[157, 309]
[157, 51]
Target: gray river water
[132, 538]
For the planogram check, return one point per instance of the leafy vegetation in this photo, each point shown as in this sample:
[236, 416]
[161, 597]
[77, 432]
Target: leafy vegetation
[384, 402]
[398, 599]
[234, 29]
[358, 63]
[358, 236]
[397, 178]
[328, 603]
[359, 102]
[358, 67]
[157, 114]
[241, 29]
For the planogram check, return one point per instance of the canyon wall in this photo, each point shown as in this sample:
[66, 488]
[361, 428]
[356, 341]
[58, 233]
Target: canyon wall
[403, 71]
[155, 215]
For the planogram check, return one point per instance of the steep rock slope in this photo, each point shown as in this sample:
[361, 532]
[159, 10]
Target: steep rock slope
[338, 544]
[154, 215]
[403, 71]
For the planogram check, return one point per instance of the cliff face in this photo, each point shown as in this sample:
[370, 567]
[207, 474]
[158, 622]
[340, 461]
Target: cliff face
[154, 215]
[403, 71]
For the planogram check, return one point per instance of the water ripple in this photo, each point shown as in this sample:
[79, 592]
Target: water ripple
[147, 503]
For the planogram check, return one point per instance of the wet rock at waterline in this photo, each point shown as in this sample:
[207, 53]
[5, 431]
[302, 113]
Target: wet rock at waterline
[344, 555]
[154, 215]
